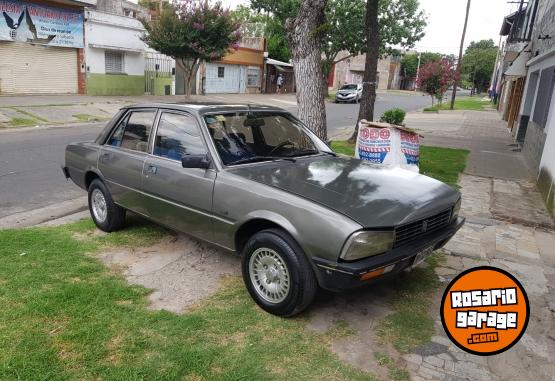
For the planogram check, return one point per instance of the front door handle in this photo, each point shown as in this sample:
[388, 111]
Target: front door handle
[105, 156]
[152, 169]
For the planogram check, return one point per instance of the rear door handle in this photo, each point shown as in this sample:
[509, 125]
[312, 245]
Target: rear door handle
[152, 169]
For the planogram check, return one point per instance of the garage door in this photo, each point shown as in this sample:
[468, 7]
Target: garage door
[37, 69]
[221, 78]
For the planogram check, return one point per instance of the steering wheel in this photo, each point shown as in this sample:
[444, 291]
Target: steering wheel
[281, 145]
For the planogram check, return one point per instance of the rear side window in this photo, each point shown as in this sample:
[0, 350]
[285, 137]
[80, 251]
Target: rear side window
[133, 131]
[178, 135]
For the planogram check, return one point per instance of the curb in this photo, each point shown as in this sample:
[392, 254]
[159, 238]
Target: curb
[6, 130]
[45, 214]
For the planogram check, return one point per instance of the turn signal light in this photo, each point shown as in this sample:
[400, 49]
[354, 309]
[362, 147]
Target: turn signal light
[377, 272]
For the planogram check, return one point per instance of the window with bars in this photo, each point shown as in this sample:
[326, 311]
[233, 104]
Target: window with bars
[221, 71]
[253, 77]
[114, 62]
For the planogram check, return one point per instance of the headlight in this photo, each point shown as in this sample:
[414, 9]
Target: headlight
[456, 210]
[367, 243]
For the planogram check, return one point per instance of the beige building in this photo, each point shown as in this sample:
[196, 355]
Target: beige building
[351, 70]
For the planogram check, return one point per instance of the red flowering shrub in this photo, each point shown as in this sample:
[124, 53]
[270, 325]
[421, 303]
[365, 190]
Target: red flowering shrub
[191, 31]
[435, 77]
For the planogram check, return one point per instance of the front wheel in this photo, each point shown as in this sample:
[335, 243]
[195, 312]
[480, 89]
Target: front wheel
[277, 274]
[105, 213]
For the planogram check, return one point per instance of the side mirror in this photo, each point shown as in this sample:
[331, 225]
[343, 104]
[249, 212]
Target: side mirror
[195, 161]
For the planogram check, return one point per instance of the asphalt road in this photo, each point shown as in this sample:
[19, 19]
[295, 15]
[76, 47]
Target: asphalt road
[30, 162]
[30, 159]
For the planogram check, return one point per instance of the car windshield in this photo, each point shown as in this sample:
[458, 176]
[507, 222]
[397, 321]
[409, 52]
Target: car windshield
[242, 137]
[348, 87]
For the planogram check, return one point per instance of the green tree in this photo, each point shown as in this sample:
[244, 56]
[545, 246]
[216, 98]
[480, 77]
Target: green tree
[274, 31]
[193, 31]
[400, 22]
[409, 63]
[478, 62]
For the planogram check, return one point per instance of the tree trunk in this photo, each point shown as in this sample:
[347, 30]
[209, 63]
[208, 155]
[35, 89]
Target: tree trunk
[366, 110]
[459, 62]
[305, 47]
[190, 70]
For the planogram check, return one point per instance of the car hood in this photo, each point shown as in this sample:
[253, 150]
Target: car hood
[346, 92]
[370, 195]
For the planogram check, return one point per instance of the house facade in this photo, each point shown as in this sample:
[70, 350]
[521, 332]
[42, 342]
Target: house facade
[238, 72]
[117, 61]
[42, 46]
[534, 127]
[78, 47]
[351, 70]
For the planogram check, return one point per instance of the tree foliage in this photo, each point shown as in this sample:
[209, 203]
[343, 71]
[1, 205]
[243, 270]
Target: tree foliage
[435, 78]
[409, 63]
[401, 24]
[192, 31]
[274, 31]
[478, 62]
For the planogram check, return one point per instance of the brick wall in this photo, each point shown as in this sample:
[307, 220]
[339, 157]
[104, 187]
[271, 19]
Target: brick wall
[533, 146]
[81, 79]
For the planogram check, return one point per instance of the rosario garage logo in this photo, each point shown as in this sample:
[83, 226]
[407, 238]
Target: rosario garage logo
[485, 310]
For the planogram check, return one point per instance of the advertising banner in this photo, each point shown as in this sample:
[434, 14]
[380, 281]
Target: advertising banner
[39, 24]
[387, 144]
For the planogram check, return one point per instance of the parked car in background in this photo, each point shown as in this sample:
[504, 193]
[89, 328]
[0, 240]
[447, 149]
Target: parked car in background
[349, 93]
[255, 181]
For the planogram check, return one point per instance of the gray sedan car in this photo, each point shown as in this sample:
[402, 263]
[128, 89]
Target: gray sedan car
[255, 181]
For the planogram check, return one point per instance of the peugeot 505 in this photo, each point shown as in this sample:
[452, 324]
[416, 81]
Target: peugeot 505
[255, 181]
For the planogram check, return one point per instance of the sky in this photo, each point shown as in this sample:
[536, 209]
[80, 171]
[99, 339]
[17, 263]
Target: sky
[446, 19]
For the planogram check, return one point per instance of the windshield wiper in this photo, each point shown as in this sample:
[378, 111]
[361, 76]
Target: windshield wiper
[254, 159]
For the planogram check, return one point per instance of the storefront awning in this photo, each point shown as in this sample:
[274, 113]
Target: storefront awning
[518, 66]
[280, 65]
[110, 47]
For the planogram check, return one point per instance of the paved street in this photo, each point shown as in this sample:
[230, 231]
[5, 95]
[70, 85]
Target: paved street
[30, 161]
[30, 158]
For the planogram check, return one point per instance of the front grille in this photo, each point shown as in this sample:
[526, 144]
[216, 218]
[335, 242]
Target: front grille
[414, 230]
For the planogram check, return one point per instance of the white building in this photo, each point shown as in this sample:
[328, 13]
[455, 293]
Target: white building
[118, 62]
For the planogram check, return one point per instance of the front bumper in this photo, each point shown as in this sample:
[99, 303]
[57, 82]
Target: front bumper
[345, 98]
[344, 275]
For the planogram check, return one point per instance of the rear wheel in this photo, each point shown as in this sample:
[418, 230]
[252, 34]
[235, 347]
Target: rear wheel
[105, 213]
[277, 273]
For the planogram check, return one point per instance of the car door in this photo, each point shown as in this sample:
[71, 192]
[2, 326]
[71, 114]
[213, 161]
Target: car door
[122, 157]
[180, 198]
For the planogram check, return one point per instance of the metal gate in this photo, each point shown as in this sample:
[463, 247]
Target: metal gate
[37, 69]
[157, 66]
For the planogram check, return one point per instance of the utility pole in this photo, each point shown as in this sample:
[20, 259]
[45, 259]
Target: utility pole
[456, 84]
[417, 71]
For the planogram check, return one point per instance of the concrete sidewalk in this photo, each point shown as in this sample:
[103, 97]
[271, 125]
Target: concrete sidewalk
[504, 229]
[24, 111]
[481, 132]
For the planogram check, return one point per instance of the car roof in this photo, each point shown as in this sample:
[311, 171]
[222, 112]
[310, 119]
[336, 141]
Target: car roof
[202, 108]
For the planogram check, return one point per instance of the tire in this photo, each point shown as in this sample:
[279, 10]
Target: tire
[290, 267]
[109, 217]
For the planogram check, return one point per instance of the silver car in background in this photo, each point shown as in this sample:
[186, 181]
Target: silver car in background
[255, 181]
[349, 93]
